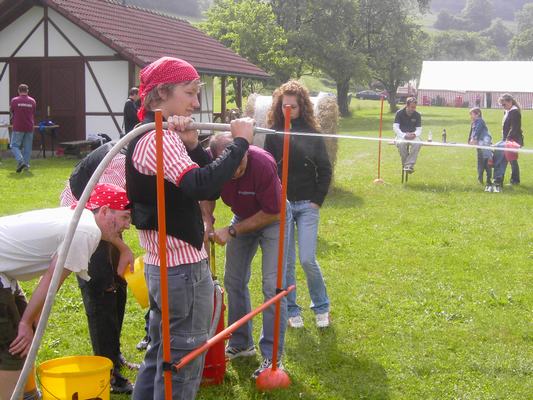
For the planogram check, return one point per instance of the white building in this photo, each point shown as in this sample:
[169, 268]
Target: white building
[80, 57]
[475, 83]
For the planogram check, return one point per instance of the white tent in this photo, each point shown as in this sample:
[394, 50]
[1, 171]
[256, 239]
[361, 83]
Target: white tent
[470, 83]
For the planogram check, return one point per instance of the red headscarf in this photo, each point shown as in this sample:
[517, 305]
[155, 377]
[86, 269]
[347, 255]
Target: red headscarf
[106, 194]
[164, 70]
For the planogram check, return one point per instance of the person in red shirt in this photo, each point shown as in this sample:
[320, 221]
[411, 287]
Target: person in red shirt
[254, 197]
[22, 111]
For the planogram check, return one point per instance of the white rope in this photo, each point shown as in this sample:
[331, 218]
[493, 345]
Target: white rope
[226, 127]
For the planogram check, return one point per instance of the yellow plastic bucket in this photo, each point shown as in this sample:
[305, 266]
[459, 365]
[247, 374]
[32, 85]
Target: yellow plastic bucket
[137, 282]
[75, 378]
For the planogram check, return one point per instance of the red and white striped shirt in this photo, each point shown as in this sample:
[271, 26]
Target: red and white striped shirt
[115, 173]
[176, 163]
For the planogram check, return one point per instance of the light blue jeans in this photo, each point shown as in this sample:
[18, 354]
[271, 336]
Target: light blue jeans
[240, 252]
[190, 302]
[22, 140]
[305, 220]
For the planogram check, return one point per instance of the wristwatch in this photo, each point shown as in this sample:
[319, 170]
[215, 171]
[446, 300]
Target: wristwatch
[232, 232]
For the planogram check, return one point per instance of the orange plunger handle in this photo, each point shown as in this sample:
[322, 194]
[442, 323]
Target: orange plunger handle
[282, 219]
[162, 230]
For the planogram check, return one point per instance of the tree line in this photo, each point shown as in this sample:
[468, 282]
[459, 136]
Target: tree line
[353, 42]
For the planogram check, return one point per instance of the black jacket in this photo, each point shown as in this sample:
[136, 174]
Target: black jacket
[512, 127]
[309, 166]
[130, 115]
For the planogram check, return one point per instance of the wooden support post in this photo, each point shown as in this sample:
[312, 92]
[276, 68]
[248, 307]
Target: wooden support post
[238, 93]
[223, 97]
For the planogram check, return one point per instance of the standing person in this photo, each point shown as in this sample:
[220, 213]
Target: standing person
[29, 244]
[479, 135]
[172, 85]
[104, 296]
[408, 126]
[254, 197]
[130, 110]
[309, 179]
[511, 131]
[22, 110]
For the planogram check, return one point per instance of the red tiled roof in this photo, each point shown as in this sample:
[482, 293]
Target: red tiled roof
[144, 35]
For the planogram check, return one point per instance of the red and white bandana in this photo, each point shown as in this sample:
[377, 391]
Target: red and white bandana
[106, 194]
[164, 70]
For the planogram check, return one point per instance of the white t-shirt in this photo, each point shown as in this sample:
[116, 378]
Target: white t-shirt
[30, 240]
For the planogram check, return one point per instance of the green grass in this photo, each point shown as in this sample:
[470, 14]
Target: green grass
[430, 282]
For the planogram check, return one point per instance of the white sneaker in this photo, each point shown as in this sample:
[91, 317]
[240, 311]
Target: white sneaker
[322, 320]
[296, 322]
[488, 188]
[234, 352]
[497, 189]
[265, 364]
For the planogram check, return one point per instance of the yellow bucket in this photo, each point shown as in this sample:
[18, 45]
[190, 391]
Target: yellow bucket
[137, 282]
[75, 378]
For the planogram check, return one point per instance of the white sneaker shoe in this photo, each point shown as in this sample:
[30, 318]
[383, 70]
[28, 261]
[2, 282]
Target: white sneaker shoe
[296, 322]
[322, 320]
[265, 364]
[234, 352]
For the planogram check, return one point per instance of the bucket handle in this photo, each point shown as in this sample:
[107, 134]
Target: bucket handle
[74, 396]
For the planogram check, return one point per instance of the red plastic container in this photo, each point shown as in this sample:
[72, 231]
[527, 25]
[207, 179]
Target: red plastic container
[509, 155]
[215, 359]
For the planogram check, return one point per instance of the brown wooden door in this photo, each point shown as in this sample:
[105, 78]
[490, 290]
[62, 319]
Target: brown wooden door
[58, 86]
[64, 89]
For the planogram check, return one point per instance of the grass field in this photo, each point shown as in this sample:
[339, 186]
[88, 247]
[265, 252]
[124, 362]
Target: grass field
[430, 282]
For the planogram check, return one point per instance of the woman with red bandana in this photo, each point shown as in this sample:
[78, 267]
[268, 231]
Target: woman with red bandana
[172, 85]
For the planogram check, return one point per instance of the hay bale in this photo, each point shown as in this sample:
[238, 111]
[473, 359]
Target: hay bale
[250, 105]
[257, 108]
[327, 113]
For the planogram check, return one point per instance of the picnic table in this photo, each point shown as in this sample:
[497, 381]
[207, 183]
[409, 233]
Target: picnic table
[50, 129]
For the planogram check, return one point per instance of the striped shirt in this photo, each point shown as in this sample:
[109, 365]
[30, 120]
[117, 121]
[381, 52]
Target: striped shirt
[176, 163]
[115, 173]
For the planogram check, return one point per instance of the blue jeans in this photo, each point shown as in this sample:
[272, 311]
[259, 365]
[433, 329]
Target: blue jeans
[190, 301]
[22, 140]
[305, 221]
[500, 165]
[240, 252]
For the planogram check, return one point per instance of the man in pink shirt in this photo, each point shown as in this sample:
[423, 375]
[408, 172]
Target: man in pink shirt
[254, 197]
[22, 110]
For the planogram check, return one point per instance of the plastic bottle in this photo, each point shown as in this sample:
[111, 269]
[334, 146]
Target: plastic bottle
[444, 136]
[430, 136]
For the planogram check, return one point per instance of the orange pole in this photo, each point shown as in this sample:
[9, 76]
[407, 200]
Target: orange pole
[226, 333]
[282, 219]
[380, 130]
[162, 231]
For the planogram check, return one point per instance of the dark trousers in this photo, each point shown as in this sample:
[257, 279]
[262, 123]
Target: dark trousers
[104, 298]
[482, 167]
[515, 171]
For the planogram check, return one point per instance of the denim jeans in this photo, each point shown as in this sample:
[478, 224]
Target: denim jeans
[500, 165]
[483, 166]
[190, 302]
[305, 220]
[240, 252]
[22, 140]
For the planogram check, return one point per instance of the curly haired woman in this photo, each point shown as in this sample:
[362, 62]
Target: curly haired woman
[309, 179]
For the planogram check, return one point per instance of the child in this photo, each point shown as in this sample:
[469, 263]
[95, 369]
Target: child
[479, 135]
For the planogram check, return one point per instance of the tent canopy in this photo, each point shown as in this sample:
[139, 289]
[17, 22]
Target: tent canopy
[477, 76]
